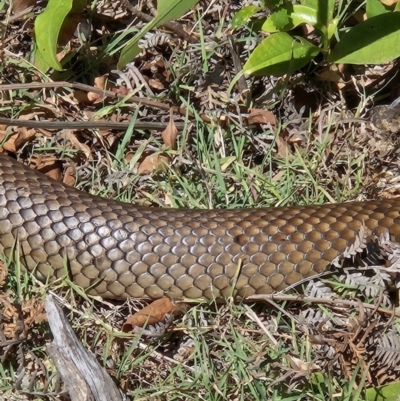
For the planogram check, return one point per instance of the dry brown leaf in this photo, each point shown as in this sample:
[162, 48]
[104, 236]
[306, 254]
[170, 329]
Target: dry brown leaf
[389, 2]
[152, 163]
[167, 200]
[24, 136]
[331, 75]
[282, 146]
[101, 83]
[170, 133]
[152, 314]
[3, 273]
[17, 138]
[156, 84]
[53, 171]
[70, 136]
[81, 96]
[69, 176]
[20, 5]
[9, 143]
[260, 116]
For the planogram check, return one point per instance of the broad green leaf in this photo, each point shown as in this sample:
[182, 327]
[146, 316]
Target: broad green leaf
[280, 18]
[310, 3]
[374, 8]
[325, 10]
[297, 15]
[243, 16]
[167, 10]
[280, 54]
[303, 15]
[332, 27]
[47, 28]
[388, 392]
[374, 41]
[40, 63]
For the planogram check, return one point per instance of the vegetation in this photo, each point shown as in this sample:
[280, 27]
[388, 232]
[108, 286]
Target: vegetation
[255, 104]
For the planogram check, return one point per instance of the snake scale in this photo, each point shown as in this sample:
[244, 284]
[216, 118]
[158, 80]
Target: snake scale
[118, 250]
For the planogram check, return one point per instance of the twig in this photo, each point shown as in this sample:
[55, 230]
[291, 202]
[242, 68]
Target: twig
[335, 302]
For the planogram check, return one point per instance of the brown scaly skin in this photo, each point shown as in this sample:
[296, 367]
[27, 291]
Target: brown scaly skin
[144, 252]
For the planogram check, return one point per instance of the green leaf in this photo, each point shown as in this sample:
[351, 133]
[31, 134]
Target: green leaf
[303, 15]
[388, 392]
[311, 3]
[280, 54]
[47, 28]
[243, 16]
[374, 8]
[374, 41]
[167, 10]
[296, 15]
[280, 18]
[325, 10]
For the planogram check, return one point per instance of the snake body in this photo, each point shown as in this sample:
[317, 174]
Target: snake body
[118, 250]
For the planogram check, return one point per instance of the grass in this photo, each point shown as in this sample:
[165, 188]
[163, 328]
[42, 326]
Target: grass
[230, 354]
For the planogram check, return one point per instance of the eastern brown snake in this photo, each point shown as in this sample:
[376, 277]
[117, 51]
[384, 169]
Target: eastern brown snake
[117, 250]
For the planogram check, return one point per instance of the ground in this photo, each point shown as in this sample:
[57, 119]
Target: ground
[298, 139]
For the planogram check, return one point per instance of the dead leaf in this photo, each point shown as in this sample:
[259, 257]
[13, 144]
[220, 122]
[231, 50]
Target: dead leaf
[152, 313]
[70, 136]
[129, 156]
[167, 200]
[9, 143]
[156, 84]
[24, 136]
[282, 146]
[3, 273]
[261, 116]
[53, 171]
[69, 176]
[21, 5]
[71, 21]
[331, 74]
[170, 133]
[15, 140]
[389, 2]
[153, 163]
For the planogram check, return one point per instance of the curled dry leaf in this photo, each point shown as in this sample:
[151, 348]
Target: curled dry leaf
[88, 97]
[282, 146]
[260, 116]
[153, 163]
[16, 139]
[53, 171]
[69, 176]
[70, 136]
[152, 314]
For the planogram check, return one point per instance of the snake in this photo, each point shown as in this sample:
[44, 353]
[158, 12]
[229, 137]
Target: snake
[117, 250]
